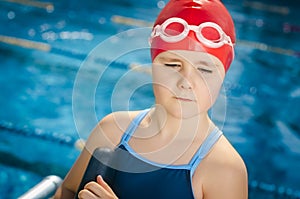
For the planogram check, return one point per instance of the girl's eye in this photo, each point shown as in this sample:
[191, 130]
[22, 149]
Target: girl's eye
[172, 65]
[204, 70]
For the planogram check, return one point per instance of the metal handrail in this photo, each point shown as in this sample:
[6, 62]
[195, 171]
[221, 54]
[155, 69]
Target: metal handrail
[45, 189]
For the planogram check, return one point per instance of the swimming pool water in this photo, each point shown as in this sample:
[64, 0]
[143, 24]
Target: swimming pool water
[37, 128]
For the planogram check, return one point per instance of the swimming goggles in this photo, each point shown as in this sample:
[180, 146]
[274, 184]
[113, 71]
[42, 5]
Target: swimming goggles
[176, 36]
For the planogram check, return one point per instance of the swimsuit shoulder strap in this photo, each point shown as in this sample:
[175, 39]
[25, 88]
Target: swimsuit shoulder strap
[133, 125]
[204, 149]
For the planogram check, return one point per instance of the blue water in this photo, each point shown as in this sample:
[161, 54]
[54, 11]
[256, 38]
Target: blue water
[39, 128]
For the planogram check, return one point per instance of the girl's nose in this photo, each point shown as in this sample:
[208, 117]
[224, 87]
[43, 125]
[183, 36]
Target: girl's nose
[184, 84]
[185, 79]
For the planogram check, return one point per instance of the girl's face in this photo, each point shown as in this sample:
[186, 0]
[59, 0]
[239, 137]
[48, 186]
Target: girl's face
[186, 83]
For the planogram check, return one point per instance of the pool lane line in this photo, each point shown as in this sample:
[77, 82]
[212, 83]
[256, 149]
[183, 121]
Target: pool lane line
[265, 47]
[257, 45]
[40, 46]
[37, 133]
[283, 10]
[49, 7]
[130, 21]
[25, 43]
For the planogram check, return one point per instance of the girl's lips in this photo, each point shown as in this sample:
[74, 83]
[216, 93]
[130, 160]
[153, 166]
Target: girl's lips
[184, 99]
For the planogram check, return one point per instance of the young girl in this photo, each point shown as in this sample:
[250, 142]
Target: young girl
[173, 150]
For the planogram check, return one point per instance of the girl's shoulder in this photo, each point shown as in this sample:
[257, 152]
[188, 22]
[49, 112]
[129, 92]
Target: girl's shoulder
[225, 158]
[223, 167]
[113, 125]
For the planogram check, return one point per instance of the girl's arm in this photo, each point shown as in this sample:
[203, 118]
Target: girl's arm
[106, 134]
[232, 183]
[71, 182]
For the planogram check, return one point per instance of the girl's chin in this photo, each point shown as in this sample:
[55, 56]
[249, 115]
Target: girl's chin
[181, 110]
[183, 113]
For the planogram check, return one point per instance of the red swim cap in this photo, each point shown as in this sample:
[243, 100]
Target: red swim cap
[196, 25]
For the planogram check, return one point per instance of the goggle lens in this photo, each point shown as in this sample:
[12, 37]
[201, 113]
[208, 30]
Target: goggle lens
[174, 29]
[211, 34]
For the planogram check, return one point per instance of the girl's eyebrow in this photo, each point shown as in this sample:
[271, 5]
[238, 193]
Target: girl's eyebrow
[170, 59]
[200, 62]
[208, 64]
[205, 63]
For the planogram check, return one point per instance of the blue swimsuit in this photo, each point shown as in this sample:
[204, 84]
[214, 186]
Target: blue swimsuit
[139, 178]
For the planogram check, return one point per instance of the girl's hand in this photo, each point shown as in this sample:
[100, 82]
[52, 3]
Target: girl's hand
[99, 189]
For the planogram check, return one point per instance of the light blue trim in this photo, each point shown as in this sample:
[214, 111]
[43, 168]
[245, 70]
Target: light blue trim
[133, 126]
[206, 146]
[204, 149]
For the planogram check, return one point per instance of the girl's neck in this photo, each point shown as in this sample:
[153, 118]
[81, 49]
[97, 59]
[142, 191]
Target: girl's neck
[167, 126]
